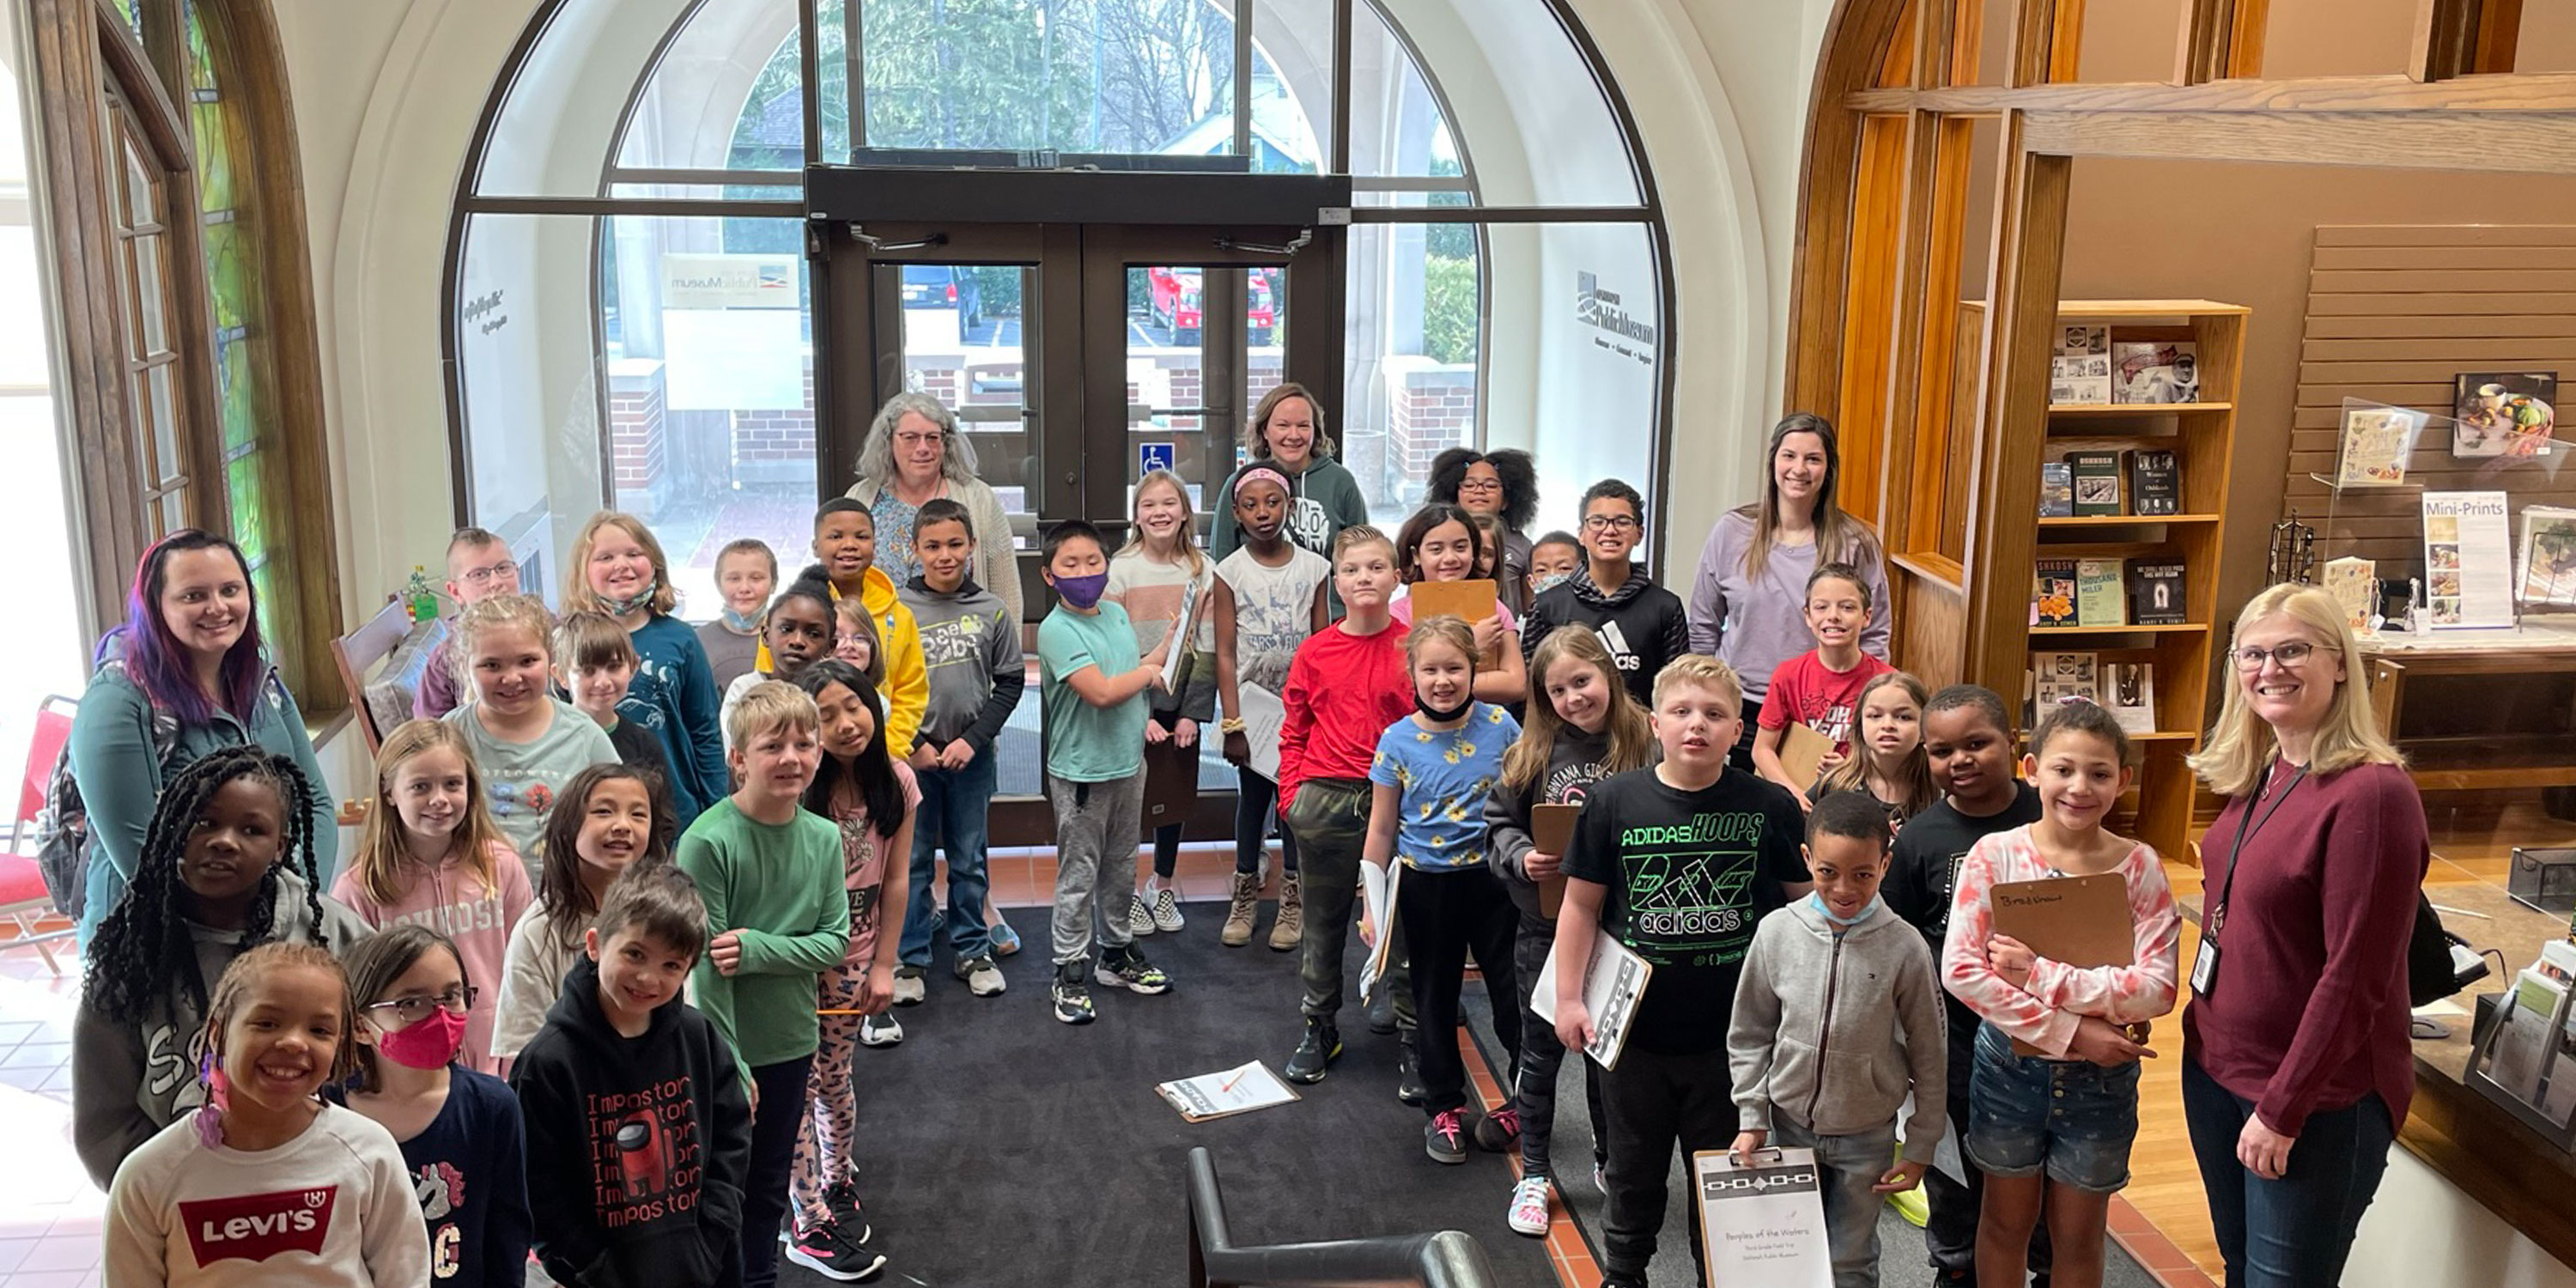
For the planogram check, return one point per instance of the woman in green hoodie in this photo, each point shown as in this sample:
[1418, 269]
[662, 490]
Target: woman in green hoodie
[1287, 435]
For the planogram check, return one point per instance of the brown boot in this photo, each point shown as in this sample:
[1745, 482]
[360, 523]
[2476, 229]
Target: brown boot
[1290, 925]
[1239, 914]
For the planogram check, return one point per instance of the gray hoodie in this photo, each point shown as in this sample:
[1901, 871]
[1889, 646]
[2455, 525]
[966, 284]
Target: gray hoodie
[1833, 1031]
[130, 1079]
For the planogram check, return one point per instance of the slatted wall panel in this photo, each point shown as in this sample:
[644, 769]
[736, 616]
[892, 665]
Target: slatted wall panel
[2395, 313]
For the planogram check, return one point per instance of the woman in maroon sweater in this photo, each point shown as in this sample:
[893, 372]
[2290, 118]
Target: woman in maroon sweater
[2296, 1067]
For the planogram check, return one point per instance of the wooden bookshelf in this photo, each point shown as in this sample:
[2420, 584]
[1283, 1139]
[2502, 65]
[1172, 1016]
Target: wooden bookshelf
[2202, 436]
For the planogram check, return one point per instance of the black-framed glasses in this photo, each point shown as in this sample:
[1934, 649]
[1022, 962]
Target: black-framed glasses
[2289, 654]
[455, 1001]
[1610, 523]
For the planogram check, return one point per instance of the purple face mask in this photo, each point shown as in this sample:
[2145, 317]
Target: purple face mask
[1082, 592]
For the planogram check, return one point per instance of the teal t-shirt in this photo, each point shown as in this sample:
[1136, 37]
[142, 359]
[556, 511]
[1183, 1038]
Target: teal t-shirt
[780, 884]
[1084, 743]
[1445, 776]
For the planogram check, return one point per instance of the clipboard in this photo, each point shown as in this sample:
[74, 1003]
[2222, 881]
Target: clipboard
[1552, 831]
[1184, 626]
[1222, 1095]
[1801, 747]
[1171, 781]
[1473, 599]
[2082, 922]
[1614, 982]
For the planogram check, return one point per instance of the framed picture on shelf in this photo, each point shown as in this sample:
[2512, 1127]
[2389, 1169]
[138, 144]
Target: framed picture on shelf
[2548, 561]
[2503, 413]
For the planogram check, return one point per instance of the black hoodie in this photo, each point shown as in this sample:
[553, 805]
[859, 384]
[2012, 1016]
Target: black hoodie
[1641, 623]
[637, 1147]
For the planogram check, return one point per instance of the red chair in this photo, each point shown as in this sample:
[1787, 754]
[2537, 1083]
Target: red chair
[23, 897]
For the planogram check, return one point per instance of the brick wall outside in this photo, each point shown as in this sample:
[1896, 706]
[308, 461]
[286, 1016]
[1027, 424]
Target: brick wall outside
[1430, 409]
[638, 442]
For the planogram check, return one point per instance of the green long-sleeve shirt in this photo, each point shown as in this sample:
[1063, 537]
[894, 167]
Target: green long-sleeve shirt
[780, 886]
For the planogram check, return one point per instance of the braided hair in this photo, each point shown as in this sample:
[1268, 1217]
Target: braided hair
[143, 952]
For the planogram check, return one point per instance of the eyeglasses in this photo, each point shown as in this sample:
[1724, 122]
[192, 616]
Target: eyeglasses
[484, 574]
[910, 439]
[1610, 523]
[2289, 655]
[1480, 485]
[414, 1009]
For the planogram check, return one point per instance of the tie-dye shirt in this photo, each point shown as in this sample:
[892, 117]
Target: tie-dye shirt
[2044, 1011]
[1445, 776]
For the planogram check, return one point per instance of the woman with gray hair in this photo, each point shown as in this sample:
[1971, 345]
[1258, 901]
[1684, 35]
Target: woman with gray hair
[914, 453]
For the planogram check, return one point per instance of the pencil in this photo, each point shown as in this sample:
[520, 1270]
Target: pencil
[1228, 1084]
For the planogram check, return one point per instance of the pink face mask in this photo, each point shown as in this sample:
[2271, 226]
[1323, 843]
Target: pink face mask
[427, 1043]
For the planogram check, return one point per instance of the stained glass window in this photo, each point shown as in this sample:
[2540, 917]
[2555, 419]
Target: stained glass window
[242, 391]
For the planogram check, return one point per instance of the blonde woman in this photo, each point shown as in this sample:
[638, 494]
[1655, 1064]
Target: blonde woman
[2296, 1059]
[1287, 434]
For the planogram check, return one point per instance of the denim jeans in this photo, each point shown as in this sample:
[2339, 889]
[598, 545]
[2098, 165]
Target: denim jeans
[1253, 798]
[2072, 1119]
[1852, 1166]
[953, 807]
[2296, 1230]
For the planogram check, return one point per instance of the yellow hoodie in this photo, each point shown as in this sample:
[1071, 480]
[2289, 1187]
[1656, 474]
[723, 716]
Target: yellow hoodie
[907, 675]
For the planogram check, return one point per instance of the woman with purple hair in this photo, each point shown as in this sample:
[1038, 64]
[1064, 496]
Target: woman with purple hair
[184, 676]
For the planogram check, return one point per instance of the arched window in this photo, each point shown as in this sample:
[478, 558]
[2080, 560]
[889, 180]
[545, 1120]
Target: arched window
[179, 186]
[1506, 275]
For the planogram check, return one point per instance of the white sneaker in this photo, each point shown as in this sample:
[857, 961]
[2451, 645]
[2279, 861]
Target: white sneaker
[1167, 912]
[879, 1030]
[1140, 919]
[1528, 1214]
[908, 988]
[982, 977]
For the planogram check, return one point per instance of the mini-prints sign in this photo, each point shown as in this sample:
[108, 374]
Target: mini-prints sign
[1595, 306]
[728, 281]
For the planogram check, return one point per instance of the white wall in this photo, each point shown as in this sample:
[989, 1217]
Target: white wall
[2421, 1229]
[387, 94]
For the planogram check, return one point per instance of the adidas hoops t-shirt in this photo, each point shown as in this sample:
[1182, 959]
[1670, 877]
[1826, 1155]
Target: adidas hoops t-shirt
[1689, 874]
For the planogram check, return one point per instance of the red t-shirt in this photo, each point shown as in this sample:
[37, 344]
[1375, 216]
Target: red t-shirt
[1804, 689]
[1343, 691]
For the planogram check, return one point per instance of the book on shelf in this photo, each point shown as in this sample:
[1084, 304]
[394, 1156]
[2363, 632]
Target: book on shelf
[2099, 600]
[2052, 598]
[2155, 480]
[2155, 371]
[2129, 694]
[2079, 372]
[2056, 491]
[2354, 583]
[2097, 482]
[2156, 592]
[2376, 442]
[2060, 677]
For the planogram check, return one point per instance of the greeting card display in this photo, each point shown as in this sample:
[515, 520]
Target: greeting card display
[2468, 559]
[2376, 443]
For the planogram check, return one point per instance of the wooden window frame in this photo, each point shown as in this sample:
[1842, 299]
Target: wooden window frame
[82, 47]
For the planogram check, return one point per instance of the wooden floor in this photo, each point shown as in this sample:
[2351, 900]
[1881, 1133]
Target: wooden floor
[2469, 845]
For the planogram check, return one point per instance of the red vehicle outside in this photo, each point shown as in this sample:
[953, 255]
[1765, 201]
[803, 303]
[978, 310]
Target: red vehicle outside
[1176, 294]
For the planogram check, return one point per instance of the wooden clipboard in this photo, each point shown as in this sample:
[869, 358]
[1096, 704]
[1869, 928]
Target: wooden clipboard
[1801, 749]
[2082, 922]
[1171, 781]
[1473, 599]
[1552, 831]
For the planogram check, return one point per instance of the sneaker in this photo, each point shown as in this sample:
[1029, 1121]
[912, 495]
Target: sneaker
[1601, 1175]
[1140, 918]
[841, 1199]
[1381, 1011]
[1167, 912]
[1498, 1131]
[1006, 941]
[1128, 969]
[879, 1031]
[1317, 1050]
[983, 978]
[908, 988]
[1444, 1138]
[1528, 1213]
[1408, 1074]
[828, 1251]
[1072, 997]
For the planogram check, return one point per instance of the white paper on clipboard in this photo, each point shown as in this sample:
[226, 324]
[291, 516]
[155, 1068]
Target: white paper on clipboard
[1378, 891]
[1180, 638]
[1764, 1224]
[1263, 714]
[1614, 981]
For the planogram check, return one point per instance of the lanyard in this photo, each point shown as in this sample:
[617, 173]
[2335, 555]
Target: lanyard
[2247, 826]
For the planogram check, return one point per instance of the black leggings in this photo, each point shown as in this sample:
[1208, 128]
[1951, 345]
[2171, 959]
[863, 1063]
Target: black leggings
[1742, 756]
[1167, 850]
[1254, 795]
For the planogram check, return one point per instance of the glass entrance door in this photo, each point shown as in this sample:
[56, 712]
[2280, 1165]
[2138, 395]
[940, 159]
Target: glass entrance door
[1077, 358]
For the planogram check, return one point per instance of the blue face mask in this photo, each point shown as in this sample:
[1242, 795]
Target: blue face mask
[1869, 910]
[642, 599]
[742, 625]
